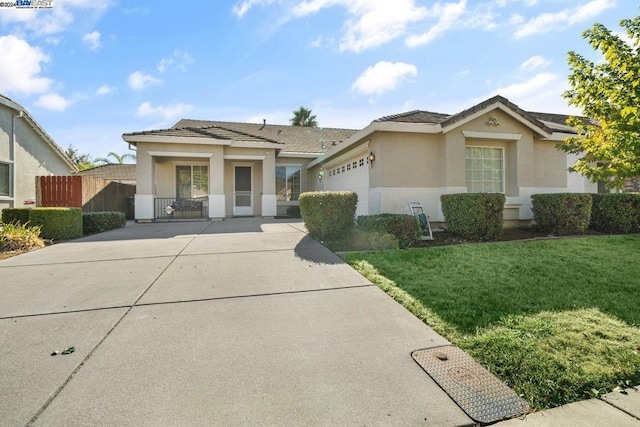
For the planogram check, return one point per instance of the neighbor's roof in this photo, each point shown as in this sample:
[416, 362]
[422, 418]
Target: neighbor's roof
[546, 121]
[115, 172]
[39, 130]
[296, 139]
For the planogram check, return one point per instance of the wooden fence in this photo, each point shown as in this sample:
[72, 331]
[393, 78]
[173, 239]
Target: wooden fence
[89, 193]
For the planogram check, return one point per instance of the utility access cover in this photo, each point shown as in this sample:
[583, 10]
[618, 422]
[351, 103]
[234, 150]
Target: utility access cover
[478, 392]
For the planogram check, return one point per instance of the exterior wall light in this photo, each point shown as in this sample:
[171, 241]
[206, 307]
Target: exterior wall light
[320, 174]
[372, 158]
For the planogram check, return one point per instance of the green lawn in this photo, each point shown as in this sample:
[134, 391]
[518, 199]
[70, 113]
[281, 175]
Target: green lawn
[558, 320]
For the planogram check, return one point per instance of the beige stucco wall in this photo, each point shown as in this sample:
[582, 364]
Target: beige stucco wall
[550, 165]
[33, 157]
[156, 174]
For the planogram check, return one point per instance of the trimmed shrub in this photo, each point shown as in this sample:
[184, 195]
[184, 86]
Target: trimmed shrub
[97, 222]
[293, 212]
[17, 236]
[475, 216]
[616, 213]
[405, 228]
[57, 223]
[360, 240]
[328, 215]
[562, 213]
[15, 215]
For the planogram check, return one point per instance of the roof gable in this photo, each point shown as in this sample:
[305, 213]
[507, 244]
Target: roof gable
[505, 105]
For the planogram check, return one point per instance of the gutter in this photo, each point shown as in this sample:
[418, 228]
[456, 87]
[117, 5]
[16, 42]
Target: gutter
[12, 156]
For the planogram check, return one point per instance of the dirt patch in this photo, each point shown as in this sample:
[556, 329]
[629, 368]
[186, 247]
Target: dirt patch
[445, 238]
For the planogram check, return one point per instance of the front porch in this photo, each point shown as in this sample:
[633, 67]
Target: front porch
[204, 182]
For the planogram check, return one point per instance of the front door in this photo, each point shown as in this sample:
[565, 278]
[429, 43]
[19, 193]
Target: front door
[242, 191]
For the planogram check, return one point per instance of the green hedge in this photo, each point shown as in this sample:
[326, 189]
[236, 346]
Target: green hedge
[405, 228]
[562, 213]
[293, 212]
[15, 215]
[476, 216]
[616, 213]
[57, 223]
[328, 215]
[97, 222]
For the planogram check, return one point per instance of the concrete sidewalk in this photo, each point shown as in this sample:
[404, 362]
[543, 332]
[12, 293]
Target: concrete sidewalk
[620, 409]
[225, 323]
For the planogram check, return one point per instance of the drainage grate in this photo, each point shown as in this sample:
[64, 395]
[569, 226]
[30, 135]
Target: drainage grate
[479, 393]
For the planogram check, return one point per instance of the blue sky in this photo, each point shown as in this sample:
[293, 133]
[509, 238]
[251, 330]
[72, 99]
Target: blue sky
[89, 71]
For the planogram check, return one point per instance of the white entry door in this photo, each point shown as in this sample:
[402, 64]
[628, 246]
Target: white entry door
[242, 190]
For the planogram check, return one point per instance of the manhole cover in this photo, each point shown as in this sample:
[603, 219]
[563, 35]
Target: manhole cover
[477, 391]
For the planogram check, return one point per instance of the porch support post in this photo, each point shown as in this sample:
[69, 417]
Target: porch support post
[216, 184]
[144, 186]
[269, 204]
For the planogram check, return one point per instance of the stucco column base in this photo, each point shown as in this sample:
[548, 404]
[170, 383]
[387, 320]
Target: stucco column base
[269, 205]
[216, 206]
[144, 207]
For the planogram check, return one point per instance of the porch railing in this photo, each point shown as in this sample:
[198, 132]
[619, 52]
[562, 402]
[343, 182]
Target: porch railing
[170, 208]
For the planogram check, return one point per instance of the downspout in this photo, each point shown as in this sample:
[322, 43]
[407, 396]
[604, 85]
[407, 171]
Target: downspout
[12, 157]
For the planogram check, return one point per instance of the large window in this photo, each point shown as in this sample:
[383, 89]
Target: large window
[192, 181]
[5, 186]
[484, 169]
[287, 183]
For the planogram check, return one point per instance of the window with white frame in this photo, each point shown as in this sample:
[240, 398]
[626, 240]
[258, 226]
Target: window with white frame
[484, 168]
[5, 179]
[192, 181]
[287, 183]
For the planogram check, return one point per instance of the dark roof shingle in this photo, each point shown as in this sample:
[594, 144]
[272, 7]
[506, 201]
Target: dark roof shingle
[115, 172]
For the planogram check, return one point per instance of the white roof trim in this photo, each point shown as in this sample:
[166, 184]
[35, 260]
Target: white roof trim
[178, 154]
[133, 139]
[299, 155]
[243, 157]
[492, 135]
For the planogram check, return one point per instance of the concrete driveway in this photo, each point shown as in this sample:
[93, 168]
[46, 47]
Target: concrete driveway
[244, 321]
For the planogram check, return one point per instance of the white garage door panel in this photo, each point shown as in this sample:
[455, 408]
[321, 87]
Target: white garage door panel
[352, 175]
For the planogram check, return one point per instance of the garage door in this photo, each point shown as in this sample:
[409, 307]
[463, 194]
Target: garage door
[351, 175]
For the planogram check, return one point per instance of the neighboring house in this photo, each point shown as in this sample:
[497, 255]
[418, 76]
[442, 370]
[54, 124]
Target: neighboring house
[26, 151]
[122, 173]
[259, 169]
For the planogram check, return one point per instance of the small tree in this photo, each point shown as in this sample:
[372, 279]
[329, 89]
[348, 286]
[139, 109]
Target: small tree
[609, 93]
[303, 117]
[119, 159]
[82, 161]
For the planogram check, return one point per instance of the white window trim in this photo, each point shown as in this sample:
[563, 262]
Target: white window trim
[293, 165]
[10, 182]
[504, 166]
[192, 164]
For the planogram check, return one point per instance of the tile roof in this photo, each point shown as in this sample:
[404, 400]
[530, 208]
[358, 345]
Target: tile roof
[547, 121]
[208, 130]
[415, 116]
[114, 172]
[297, 139]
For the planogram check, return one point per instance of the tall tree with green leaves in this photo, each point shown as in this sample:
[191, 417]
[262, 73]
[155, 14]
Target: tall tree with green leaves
[81, 160]
[119, 159]
[608, 92]
[302, 117]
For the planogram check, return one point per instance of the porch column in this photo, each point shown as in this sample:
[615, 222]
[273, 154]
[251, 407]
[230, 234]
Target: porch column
[144, 186]
[216, 184]
[269, 204]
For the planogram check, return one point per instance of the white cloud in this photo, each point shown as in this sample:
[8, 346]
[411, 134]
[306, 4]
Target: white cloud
[21, 66]
[371, 23]
[448, 14]
[105, 90]
[535, 63]
[516, 19]
[92, 40]
[166, 112]
[54, 102]
[242, 7]
[570, 16]
[542, 92]
[383, 77]
[139, 80]
[178, 59]
[624, 37]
